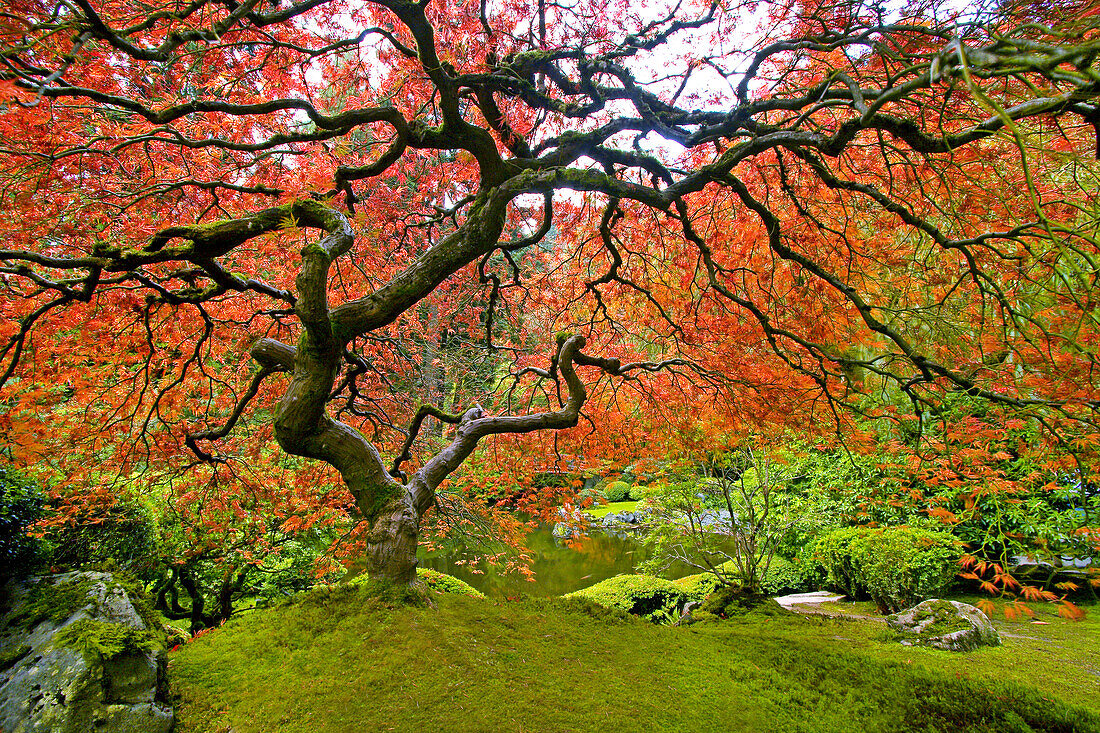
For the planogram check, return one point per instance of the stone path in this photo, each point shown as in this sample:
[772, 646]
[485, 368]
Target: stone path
[806, 599]
[811, 603]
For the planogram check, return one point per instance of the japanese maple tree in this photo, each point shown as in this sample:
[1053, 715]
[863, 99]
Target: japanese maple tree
[774, 208]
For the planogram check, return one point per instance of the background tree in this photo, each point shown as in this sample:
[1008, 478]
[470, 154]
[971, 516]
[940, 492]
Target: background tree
[799, 206]
[729, 524]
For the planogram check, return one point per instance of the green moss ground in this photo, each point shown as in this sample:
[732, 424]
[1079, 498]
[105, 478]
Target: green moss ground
[599, 512]
[1058, 657]
[342, 662]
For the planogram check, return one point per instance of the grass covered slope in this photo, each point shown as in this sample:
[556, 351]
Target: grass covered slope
[341, 661]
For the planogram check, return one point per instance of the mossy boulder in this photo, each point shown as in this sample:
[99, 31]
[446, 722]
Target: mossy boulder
[941, 624]
[79, 657]
[731, 601]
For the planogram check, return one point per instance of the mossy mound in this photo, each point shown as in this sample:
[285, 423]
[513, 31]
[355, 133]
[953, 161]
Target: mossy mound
[730, 601]
[443, 583]
[650, 597]
[362, 591]
[574, 605]
[471, 665]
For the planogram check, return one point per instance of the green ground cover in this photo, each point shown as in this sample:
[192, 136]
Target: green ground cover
[340, 661]
[599, 512]
[1058, 657]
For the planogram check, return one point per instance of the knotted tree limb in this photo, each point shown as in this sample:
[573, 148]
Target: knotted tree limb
[473, 426]
[193, 439]
[422, 414]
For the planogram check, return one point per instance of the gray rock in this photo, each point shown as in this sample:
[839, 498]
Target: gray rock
[49, 687]
[948, 625]
[685, 617]
[564, 531]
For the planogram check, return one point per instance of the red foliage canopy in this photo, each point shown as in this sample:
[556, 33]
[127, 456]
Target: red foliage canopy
[779, 210]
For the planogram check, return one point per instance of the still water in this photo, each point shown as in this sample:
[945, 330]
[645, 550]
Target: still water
[559, 567]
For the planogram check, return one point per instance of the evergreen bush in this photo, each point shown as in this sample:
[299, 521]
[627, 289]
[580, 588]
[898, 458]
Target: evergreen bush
[896, 566]
[593, 495]
[125, 535]
[617, 491]
[21, 504]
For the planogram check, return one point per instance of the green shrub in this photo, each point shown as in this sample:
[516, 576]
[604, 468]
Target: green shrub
[21, 504]
[594, 495]
[698, 587]
[834, 552]
[896, 566]
[124, 535]
[442, 583]
[617, 491]
[785, 576]
[638, 492]
[650, 597]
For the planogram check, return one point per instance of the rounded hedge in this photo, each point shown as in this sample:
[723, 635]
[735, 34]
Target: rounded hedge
[698, 587]
[617, 491]
[433, 580]
[896, 566]
[443, 583]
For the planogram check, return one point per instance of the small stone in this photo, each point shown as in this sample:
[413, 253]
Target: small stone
[685, 617]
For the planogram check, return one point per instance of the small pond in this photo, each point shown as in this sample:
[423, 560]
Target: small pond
[559, 566]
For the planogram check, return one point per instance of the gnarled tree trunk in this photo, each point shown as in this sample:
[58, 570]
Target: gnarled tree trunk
[390, 554]
[302, 426]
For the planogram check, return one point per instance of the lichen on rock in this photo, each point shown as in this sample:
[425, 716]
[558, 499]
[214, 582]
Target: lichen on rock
[942, 624]
[80, 658]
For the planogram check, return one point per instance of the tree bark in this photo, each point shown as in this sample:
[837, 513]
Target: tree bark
[390, 553]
